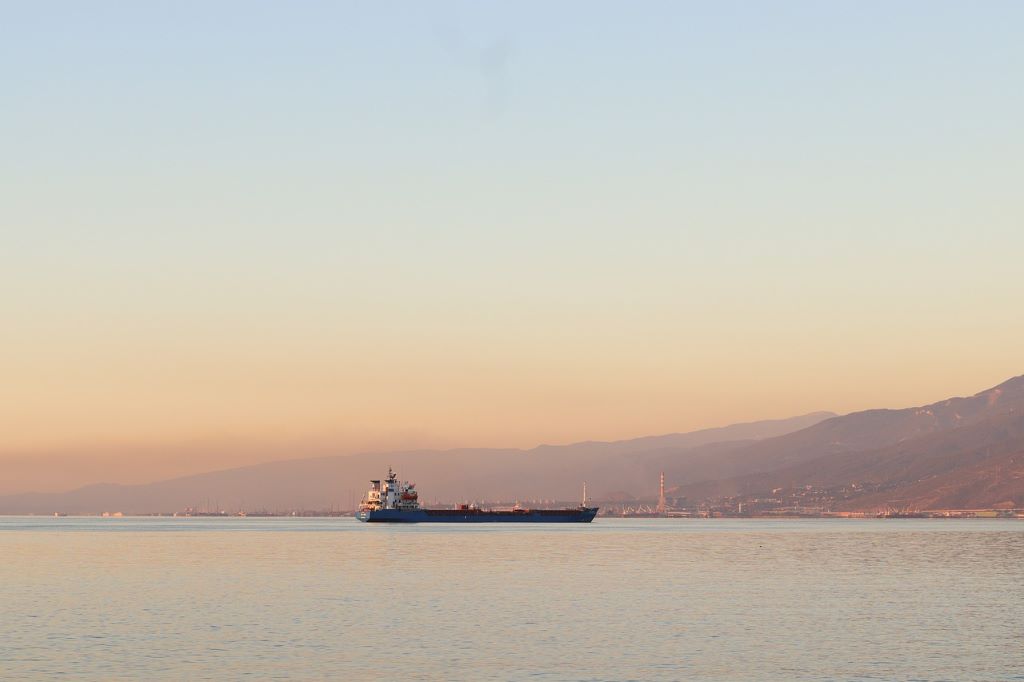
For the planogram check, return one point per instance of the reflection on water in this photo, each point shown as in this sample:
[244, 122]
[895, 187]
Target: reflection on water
[619, 599]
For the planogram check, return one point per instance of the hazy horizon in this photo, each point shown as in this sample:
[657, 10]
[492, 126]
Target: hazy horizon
[241, 232]
[35, 472]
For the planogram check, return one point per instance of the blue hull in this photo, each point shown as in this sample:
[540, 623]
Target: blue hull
[585, 515]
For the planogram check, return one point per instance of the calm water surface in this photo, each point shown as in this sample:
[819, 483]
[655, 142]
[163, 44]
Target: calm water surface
[91, 598]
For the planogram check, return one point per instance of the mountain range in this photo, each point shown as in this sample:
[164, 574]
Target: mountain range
[961, 453]
[956, 453]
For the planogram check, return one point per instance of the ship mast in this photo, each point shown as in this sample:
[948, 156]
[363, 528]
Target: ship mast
[584, 504]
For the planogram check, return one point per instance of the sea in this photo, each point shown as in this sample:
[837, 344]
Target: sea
[619, 599]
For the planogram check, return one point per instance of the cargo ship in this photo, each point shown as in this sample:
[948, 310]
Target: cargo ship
[394, 501]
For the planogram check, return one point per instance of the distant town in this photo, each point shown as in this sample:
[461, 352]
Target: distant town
[797, 502]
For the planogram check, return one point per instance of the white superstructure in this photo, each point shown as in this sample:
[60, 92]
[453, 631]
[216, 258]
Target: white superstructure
[390, 494]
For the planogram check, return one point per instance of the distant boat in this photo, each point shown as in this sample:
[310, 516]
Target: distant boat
[392, 501]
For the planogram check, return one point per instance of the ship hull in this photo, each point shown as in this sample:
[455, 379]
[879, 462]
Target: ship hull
[585, 515]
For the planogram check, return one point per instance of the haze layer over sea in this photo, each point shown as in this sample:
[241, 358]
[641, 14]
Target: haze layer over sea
[161, 598]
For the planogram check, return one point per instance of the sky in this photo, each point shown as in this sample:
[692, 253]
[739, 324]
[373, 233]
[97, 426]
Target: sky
[239, 231]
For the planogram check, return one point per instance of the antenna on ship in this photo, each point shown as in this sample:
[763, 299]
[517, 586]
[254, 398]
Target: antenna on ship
[584, 494]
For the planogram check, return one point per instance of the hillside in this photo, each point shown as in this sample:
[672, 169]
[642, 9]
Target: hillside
[959, 453]
[826, 441]
[909, 469]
